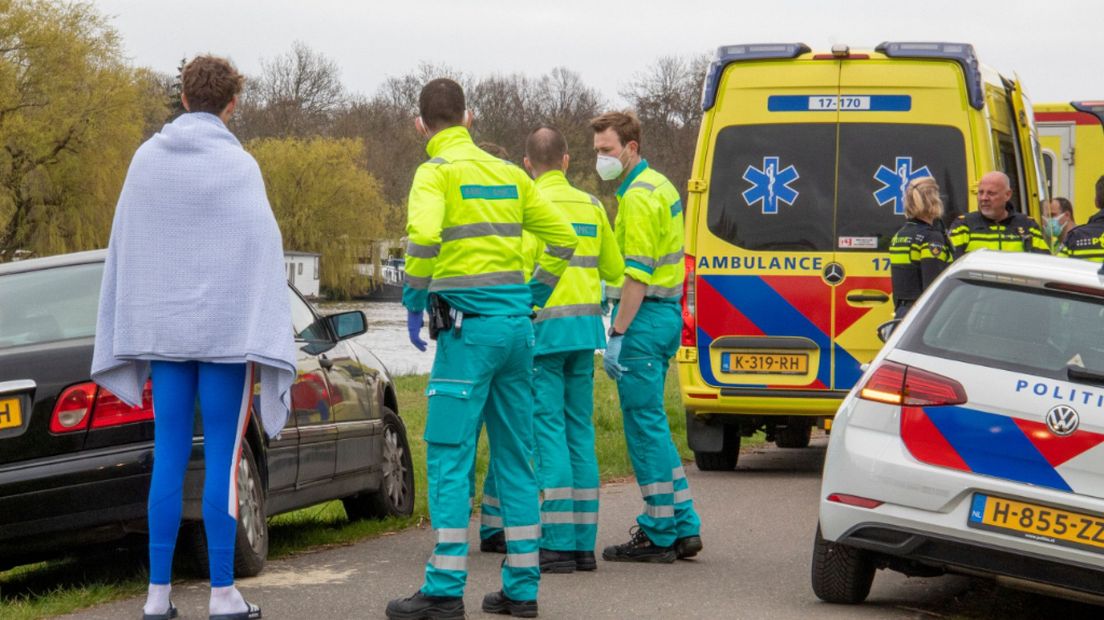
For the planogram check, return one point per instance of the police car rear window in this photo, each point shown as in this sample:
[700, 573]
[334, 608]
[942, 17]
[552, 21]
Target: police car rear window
[772, 186]
[876, 163]
[1018, 329]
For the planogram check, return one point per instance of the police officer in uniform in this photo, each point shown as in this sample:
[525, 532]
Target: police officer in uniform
[920, 251]
[1087, 240]
[995, 226]
[647, 323]
[466, 213]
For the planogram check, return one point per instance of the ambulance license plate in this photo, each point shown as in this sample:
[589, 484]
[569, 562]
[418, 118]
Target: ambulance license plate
[10, 414]
[765, 363]
[1034, 522]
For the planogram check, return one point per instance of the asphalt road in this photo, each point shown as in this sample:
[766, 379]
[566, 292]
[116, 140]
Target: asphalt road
[757, 526]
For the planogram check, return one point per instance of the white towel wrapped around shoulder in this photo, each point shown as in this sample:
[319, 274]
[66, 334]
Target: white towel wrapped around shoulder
[195, 268]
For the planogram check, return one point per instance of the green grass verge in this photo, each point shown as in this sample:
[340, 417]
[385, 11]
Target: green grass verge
[63, 586]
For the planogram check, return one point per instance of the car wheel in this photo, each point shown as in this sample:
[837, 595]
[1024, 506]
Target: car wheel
[794, 436]
[395, 497]
[725, 460]
[841, 574]
[251, 545]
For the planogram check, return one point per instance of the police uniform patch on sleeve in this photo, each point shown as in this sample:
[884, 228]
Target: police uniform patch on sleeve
[936, 249]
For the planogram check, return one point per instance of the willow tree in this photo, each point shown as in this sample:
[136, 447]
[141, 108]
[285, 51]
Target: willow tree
[325, 202]
[72, 113]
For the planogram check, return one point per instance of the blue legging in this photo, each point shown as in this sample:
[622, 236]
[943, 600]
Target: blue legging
[224, 392]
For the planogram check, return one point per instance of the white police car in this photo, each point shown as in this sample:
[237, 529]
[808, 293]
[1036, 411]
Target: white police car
[974, 442]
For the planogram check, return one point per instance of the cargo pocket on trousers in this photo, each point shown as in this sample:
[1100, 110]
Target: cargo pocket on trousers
[641, 383]
[447, 419]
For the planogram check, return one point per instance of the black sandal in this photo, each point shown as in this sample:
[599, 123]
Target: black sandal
[168, 615]
[253, 613]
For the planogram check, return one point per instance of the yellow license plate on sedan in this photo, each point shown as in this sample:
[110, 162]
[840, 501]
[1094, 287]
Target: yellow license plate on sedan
[765, 363]
[1034, 522]
[10, 414]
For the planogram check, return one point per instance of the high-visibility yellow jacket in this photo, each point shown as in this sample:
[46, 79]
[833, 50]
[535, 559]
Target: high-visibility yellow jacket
[571, 319]
[649, 231]
[1085, 241]
[466, 212]
[1015, 233]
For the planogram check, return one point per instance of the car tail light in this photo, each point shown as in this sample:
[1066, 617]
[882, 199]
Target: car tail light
[854, 500]
[85, 403]
[110, 411]
[898, 384]
[73, 408]
[689, 323]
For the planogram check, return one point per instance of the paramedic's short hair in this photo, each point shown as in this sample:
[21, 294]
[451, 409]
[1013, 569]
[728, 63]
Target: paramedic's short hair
[441, 104]
[545, 148]
[922, 199]
[625, 124]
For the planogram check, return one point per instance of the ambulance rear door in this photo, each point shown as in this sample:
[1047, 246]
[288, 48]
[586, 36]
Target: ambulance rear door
[899, 120]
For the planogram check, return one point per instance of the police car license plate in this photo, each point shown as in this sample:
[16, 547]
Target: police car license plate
[1034, 522]
[765, 363]
[10, 414]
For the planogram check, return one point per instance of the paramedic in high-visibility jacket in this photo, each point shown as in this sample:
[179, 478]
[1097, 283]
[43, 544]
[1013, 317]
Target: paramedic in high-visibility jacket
[647, 323]
[466, 213]
[569, 328]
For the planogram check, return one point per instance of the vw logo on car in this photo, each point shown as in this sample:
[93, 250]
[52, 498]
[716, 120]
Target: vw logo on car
[1062, 420]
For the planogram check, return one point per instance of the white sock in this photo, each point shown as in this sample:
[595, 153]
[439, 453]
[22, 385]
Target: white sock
[227, 600]
[157, 599]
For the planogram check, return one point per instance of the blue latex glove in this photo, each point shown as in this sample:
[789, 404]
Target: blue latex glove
[611, 358]
[414, 321]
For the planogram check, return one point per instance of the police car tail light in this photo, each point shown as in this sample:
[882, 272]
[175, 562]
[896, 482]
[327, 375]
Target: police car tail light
[854, 500]
[689, 323]
[897, 384]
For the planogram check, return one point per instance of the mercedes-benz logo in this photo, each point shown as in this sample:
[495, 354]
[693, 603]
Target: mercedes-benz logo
[833, 273]
[1062, 420]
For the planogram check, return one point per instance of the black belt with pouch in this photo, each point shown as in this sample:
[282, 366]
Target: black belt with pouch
[440, 316]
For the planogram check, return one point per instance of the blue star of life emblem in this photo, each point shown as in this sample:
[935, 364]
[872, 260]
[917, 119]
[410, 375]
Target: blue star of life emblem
[895, 181]
[770, 185]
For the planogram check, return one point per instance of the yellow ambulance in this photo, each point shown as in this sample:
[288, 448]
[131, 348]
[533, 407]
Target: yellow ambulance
[796, 191]
[1072, 138]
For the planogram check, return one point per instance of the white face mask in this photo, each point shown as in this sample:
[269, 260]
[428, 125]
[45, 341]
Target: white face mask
[609, 167]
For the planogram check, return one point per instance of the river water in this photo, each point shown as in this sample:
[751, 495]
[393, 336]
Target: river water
[387, 335]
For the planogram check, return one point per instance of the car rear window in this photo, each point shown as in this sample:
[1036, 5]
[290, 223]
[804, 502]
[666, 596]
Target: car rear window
[876, 162]
[758, 171]
[49, 305]
[1020, 329]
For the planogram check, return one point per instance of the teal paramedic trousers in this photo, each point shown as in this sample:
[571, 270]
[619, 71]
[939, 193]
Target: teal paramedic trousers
[482, 372]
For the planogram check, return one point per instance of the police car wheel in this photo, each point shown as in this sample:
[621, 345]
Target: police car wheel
[841, 574]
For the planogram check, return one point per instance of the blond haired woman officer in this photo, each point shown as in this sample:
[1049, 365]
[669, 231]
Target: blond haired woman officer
[920, 251]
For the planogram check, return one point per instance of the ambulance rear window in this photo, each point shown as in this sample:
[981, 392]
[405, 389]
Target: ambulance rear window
[772, 186]
[877, 160]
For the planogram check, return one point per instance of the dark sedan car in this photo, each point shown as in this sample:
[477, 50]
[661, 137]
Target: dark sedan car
[75, 462]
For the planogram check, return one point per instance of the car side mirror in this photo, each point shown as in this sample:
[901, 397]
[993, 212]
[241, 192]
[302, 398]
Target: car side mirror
[886, 329]
[348, 324]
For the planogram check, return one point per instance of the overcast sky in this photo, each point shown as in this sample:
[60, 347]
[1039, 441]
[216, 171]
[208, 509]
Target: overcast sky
[1054, 45]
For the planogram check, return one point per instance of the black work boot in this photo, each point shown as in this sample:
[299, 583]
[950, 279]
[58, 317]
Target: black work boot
[422, 607]
[552, 561]
[688, 546]
[499, 603]
[640, 548]
[495, 544]
[585, 561]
